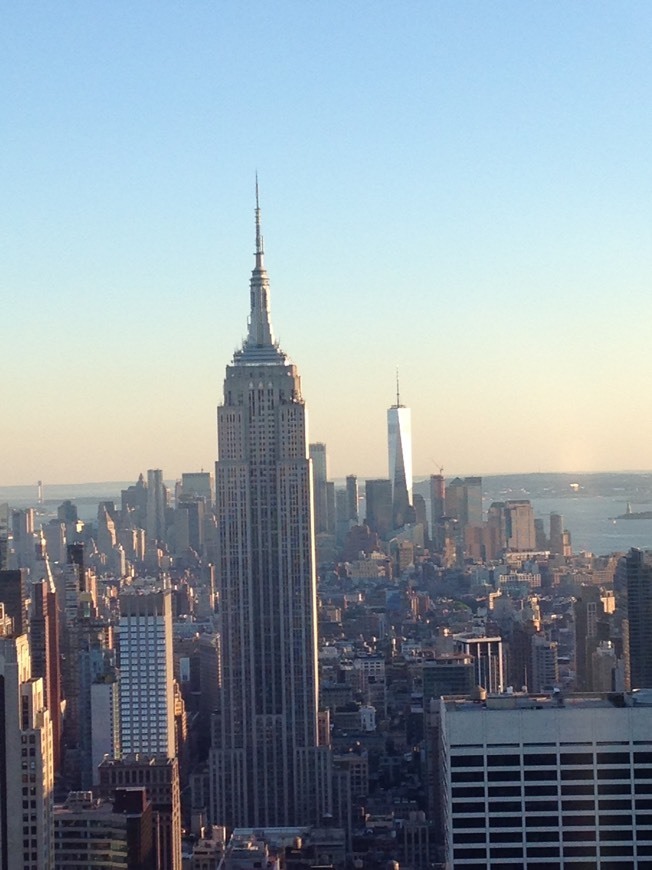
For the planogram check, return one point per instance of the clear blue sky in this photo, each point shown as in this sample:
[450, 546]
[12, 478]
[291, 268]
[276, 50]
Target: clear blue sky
[459, 189]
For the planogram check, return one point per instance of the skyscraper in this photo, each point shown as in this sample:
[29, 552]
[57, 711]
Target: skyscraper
[147, 729]
[156, 503]
[264, 757]
[317, 454]
[399, 443]
[639, 614]
[352, 498]
[146, 672]
[26, 766]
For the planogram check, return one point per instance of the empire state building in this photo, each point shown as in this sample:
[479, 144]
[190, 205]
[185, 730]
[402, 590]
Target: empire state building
[266, 768]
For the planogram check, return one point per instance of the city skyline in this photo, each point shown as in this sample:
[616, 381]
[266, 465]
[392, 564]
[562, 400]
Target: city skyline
[462, 191]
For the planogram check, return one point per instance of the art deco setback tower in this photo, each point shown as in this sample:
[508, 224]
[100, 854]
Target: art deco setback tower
[264, 760]
[399, 442]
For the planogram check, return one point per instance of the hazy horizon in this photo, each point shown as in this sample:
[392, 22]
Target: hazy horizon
[418, 477]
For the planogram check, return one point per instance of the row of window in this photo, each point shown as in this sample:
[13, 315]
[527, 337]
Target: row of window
[551, 759]
[460, 824]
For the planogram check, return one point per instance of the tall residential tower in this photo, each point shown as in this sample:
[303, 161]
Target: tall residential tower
[265, 758]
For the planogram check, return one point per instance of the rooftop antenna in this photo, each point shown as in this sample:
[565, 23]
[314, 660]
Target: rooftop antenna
[398, 392]
[259, 236]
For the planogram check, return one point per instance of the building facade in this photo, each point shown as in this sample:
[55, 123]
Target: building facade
[547, 781]
[639, 614]
[265, 761]
[146, 672]
[399, 446]
[26, 763]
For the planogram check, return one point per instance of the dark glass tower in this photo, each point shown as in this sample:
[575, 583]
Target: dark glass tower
[639, 614]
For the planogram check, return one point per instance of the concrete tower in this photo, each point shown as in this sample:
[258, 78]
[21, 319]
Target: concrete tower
[264, 757]
[399, 442]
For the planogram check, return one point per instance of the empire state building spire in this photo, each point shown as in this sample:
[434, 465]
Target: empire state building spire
[259, 346]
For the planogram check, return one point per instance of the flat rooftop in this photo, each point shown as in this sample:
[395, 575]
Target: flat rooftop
[548, 701]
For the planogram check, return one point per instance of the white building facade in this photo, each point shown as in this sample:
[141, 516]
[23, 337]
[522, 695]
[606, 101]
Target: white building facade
[545, 781]
[146, 672]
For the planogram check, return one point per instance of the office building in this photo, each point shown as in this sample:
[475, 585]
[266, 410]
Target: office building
[317, 454]
[4, 535]
[93, 833]
[452, 674]
[510, 526]
[591, 628]
[399, 444]
[265, 765]
[13, 594]
[146, 672]
[352, 498]
[197, 484]
[546, 781]
[26, 763]
[159, 776]
[45, 654]
[134, 505]
[545, 664]
[157, 498]
[437, 489]
[639, 614]
[104, 720]
[556, 534]
[378, 506]
[22, 532]
[488, 659]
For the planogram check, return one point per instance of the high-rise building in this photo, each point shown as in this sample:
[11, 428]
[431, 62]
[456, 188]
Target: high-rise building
[545, 781]
[22, 530]
[146, 672]
[510, 526]
[317, 454]
[26, 765]
[556, 534]
[4, 535]
[352, 498]
[591, 628]
[545, 664]
[488, 659]
[462, 497]
[44, 648]
[89, 832]
[13, 594]
[639, 614]
[378, 506]
[399, 443]
[197, 484]
[265, 765]
[156, 504]
[437, 507]
[134, 504]
[159, 776]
